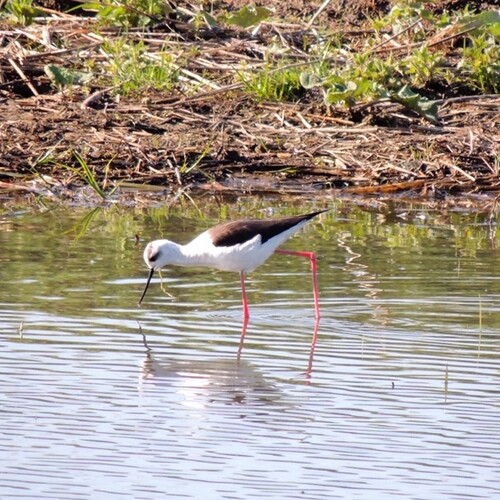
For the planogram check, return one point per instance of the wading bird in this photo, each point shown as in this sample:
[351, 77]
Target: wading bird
[240, 246]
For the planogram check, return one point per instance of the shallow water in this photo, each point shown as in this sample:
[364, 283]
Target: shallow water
[399, 398]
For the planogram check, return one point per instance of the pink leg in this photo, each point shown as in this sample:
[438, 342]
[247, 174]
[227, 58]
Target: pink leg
[314, 269]
[246, 313]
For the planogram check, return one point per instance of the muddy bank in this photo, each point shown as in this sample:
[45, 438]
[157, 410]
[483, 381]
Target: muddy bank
[252, 147]
[222, 139]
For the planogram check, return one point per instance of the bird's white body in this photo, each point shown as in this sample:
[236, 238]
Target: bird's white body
[201, 252]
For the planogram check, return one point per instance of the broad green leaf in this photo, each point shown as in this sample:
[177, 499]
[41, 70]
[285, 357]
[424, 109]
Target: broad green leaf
[63, 77]
[421, 105]
[92, 6]
[480, 20]
[381, 91]
[309, 80]
[248, 16]
[337, 93]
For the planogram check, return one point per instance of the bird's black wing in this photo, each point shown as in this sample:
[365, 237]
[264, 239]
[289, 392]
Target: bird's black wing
[241, 231]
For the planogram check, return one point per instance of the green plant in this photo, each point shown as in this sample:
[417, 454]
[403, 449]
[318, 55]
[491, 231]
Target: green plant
[247, 16]
[62, 77]
[424, 107]
[22, 11]
[480, 63]
[405, 17]
[129, 13]
[365, 76]
[133, 69]
[88, 175]
[186, 168]
[423, 66]
[273, 84]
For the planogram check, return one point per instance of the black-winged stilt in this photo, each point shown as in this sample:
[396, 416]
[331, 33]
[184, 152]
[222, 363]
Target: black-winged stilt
[240, 246]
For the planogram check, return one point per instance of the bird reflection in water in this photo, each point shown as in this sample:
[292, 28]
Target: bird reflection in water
[230, 381]
[311, 350]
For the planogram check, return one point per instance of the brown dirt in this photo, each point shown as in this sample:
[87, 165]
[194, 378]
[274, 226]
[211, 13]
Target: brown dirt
[224, 141]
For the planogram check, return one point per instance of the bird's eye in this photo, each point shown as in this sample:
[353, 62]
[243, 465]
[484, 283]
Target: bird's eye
[153, 254]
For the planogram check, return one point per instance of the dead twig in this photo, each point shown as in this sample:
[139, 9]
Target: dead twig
[25, 79]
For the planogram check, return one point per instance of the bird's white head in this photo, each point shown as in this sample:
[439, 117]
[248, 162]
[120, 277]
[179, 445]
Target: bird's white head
[157, 254]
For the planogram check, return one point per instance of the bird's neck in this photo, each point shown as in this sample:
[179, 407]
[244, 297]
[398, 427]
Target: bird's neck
[189, 256]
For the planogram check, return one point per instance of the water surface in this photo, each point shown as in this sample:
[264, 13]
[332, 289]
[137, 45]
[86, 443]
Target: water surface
[102, 399]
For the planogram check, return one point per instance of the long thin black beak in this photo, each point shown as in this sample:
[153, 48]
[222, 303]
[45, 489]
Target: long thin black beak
[147, 285]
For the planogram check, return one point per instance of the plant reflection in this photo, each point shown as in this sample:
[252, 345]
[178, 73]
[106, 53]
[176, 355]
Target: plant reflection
[366, 280]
